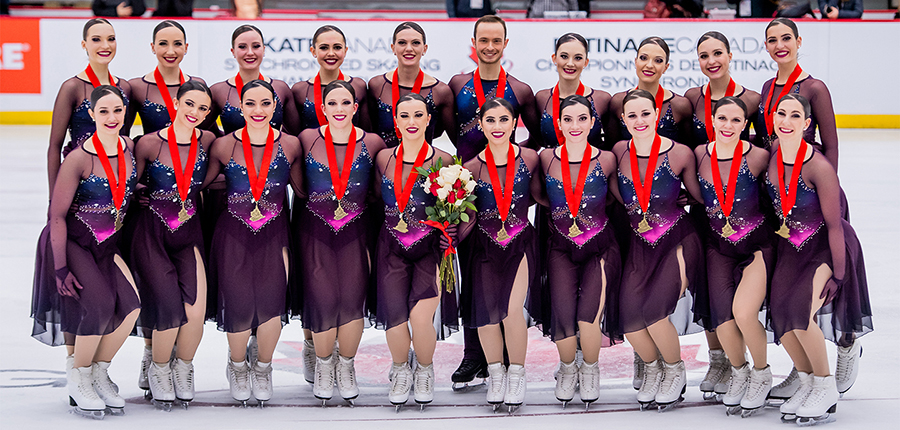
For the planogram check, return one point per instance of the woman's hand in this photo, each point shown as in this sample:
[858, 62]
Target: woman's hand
[66, 284]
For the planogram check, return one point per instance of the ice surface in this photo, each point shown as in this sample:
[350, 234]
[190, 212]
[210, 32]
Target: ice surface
[32, 393]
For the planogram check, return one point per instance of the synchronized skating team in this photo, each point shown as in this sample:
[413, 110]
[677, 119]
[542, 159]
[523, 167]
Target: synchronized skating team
[658, 214]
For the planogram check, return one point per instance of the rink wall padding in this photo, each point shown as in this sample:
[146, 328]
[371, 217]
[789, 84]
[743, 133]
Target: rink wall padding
[857, 60]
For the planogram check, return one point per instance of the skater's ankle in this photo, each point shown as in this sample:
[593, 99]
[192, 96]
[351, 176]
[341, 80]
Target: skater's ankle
[263, 365]
[761, 368]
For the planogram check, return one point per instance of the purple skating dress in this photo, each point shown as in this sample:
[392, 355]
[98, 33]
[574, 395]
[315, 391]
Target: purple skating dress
[726, 258]
[72, 105]
[334, 260]
[800, 255]
[107, 297]
[651, 280]
[494, 261]
[574, 264]
[247, 266]
[407, 262]
[304, 97]
[162, 249]
[147, 102]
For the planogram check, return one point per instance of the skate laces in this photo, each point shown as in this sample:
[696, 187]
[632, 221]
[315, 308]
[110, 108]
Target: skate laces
[717, 369]
[240, 376]
[651, 378]
[102, 383]
[568, 376]
[400, 383]
[515, 381]
[791, 378]
[324, 378]
[262, 377]
[423, 380]
[671, 375]
[86, 387]
[845, 363]
[589, 372]
[347, 374]
[162, 378]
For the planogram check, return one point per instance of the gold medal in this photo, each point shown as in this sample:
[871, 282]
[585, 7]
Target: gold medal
[339, 213]
[644, 226]
[183, 214]
[255, 214]
[727, 231]
[401, 225]
[502, 235]
[574, 231]
[784, 231]
[118, 223]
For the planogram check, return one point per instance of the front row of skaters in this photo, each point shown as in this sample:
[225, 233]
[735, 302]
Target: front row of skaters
[85, 295]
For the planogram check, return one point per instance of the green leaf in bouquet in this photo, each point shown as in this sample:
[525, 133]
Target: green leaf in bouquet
[443, 213]
[464, 217]
[429, 211]
[453, 216]
[470, 205]
[422, 171]
[440, 163]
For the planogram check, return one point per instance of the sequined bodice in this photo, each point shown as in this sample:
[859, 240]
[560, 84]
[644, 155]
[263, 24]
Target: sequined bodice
[591, 210]
[471, 140]
[663, 211]
[665, 128]
[240, 199]
[95, 204]
[548, 131]
[806, 218]
[322, 200]
[165, 201]
[154, 116]
[517, 218]
[383, 120]
[414, 212]
[746, 214]
[81, 125]
[232, 119]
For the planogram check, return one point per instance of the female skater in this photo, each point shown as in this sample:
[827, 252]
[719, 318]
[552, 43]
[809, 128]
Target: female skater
[714, 56]
[332, 241]
[584, 256]
[167, 249]
[739, 254]
[570, 58]
[662, 242]
[674, 110]
[152, 93]
[248, 48]
[82, 286]
[408, 256]
[502, 254]
[70, 111]
[819, 281]
[249, 256]
[783, 44]
[409, 47]
[329, 47]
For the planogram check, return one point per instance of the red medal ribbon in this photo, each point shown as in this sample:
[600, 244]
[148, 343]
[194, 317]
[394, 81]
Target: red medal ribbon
[573, 198]
[642, 189]
[93, 77]
[726, 196]
[164, 91]
[116, 187]
[443, 228]
[500, 91]
[317, 97]
[403, 192]
[710, 131]
[503, 195]
[239, 83]
[789, 196]
[554, 99]
[395, 95]
[257, 181]
[183, 176]
[769, 111]
[340, 179]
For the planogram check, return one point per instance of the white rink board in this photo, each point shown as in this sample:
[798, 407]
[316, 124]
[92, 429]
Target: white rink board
[849, 57]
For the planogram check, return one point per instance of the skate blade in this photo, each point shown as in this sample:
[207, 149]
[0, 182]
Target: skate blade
[564, 402]
[116, 412]
[147, 394]
[351, 401]
[184, 403]
[261, 404]
[646, 406]
[788, 418]
[162, 405]
[747, 413]
[732, 410]
[587, 404]
[668, 406]
[465, 387]
[511, 409]
[96, 415]
[814, 421]
[709, 395]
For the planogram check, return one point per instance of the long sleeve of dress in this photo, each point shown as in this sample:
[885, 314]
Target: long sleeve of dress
[59, 124]
[823, 111]
[828, 188]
